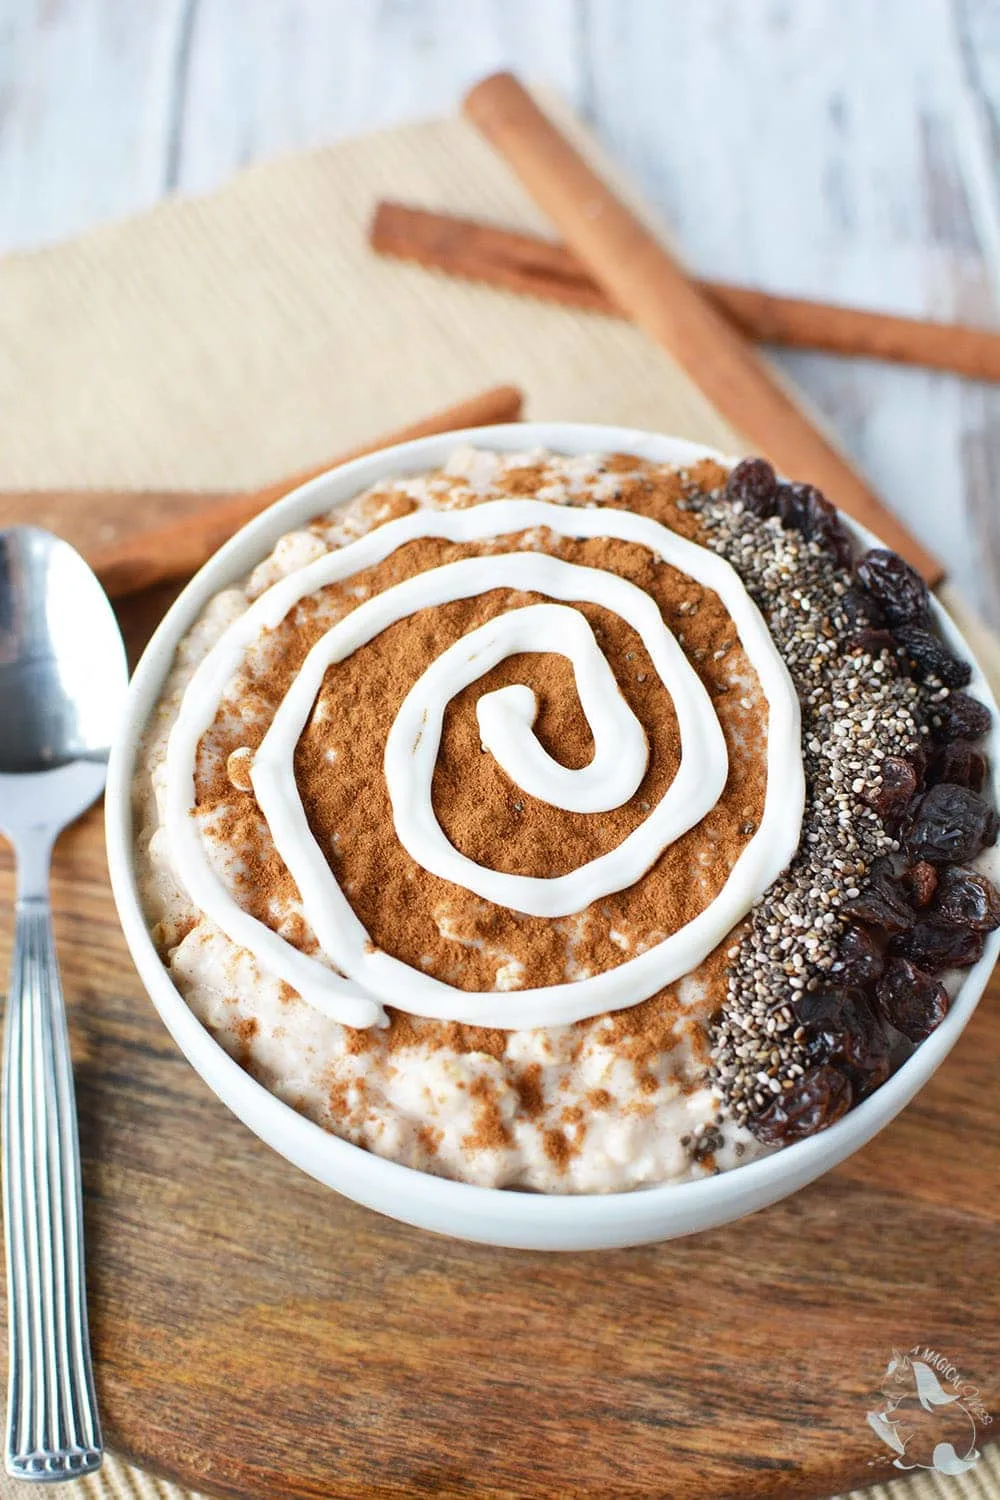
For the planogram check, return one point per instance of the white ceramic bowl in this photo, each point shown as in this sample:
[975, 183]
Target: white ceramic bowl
[490, 1215]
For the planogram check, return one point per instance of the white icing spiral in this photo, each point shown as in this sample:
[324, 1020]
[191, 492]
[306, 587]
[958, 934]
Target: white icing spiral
[354, 980]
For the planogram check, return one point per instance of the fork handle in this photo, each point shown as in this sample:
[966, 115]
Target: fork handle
[53, 1430]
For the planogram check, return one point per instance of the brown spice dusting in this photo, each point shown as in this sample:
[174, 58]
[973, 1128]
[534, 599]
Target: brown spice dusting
[386, 505]
[415, 1031]
[429, 1139]
[168, 935]
[241, 1035]
[429, 923]
[525, 481]
[347, 1097]
[483, 815]
[490, 1132]
[238, 766]
[338, 1100]
[529, 1091]
[559, 1149]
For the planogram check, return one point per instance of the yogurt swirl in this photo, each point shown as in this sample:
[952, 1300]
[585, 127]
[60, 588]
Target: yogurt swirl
[353, 981]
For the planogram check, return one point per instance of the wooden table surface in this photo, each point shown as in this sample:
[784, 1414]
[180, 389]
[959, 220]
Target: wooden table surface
[256, 1335]
[713, 1366]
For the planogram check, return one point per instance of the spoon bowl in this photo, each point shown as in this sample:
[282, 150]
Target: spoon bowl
[63, 673]
[63, 679]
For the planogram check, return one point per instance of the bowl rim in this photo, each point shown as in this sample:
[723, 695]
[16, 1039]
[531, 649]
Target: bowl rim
[493, 1215]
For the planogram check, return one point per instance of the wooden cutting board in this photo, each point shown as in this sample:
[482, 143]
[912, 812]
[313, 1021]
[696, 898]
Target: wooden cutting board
[256, 1335]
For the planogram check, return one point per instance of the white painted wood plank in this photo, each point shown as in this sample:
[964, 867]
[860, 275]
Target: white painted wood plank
[977, 29]
[86, 96]
[267, 77]
[789, 144]
[976, 26]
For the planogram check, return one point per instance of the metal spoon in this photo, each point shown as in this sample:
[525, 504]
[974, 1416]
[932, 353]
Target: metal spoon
[63, 676]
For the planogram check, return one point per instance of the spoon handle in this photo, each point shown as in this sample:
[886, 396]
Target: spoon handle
[53, 1430]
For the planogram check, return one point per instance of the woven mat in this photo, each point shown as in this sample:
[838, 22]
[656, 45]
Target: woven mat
[119, 1481]
[225, 341]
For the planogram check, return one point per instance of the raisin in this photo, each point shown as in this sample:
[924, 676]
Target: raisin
[872, 641]
[858, 959]
[921, 882]
[965, 898]
[753, 484]
[962, 718]
[867, 1080]
[880, 904]
[859, 607]
[950, 825]
[898, 590]
[793, 505]
[843, 1027]
[822, 524]
[911, 1001]
[926, 655]
[937, 945]
[897, 791]
[815, 1100]
[960, 763]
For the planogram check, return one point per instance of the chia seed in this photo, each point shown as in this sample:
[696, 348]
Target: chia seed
[856, 710]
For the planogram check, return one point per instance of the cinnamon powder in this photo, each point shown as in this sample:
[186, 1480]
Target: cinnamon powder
[430, 923]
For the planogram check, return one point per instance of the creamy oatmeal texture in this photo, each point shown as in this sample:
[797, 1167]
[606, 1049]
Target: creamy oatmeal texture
[469, 789]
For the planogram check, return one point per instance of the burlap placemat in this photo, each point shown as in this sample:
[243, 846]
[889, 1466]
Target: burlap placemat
[119, 1481]
[224, 341]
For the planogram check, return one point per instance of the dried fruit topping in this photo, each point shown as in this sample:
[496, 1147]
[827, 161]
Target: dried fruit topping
[793, 505]
[882, 904]
[814, 1101]
[753, 484]
[844, 1028]
[918, 760]
[950, 825]
[867, 1080]
[872, 641]
[898, 590]
[911, 1000]
[859, 607]
[966, 898]
[962, 718]
[936, 945]
[926, 655]
[921, 882]
[859, 959]
[898, 788]
[822, 524]
[960, 763]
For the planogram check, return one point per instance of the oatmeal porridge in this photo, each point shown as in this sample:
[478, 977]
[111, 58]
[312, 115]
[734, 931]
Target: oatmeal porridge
[568, 824]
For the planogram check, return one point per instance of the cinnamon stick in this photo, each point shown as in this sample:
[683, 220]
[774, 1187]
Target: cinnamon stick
[179, 548]
[642, 278]
[482, 252]
[528, 263]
